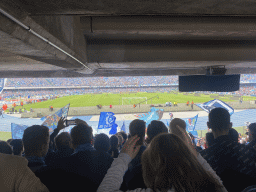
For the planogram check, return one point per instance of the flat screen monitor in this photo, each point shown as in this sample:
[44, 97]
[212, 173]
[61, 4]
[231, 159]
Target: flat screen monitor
[216, 83]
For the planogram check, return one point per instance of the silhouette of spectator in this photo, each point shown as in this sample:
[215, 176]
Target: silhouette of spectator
[102, 143]
[36, 144]
[17, 145]
[63, 146]
[5, 148]
[136, 127]
[155, 128]
[124, 135]
[233, 162]
[114, 152]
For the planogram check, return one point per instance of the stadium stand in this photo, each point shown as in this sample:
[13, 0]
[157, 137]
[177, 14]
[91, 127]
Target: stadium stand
[47, 87]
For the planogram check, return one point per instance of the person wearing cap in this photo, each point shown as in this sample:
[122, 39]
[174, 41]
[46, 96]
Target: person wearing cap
[252, 135]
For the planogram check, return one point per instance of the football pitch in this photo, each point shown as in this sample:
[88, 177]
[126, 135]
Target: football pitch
[106, 99]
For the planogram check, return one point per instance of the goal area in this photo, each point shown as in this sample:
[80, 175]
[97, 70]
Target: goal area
[134, 100]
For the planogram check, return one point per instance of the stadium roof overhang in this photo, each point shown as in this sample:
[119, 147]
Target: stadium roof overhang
[124, 38]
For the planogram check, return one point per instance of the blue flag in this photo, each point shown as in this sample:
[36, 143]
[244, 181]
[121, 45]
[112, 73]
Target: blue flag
[167, 123]
[123, 127]
[191, 123]
[51, 121]
[154, 114]
[195, 134]
[208, 106]
[18, 130]
[108, 121]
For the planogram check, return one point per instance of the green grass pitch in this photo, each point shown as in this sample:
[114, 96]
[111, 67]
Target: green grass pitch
[116, 99]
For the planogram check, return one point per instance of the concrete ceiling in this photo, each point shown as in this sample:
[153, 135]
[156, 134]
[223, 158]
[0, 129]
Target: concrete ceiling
[122, 38]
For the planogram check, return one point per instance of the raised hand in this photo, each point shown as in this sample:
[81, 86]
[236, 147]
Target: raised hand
[129, 147]
[61, 124]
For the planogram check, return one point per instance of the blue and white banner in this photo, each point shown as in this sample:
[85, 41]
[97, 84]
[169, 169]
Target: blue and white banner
[208, 106]
[191, 123]
[108, 121]
[154, 114]
[18, 130]
[51, 121]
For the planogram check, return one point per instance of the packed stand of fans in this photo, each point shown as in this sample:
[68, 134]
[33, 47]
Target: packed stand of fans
[247, 78]
[153, 158]
[134, 81]
[65, 92]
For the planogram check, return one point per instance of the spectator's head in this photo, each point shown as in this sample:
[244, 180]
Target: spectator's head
[5, 148]
[219, 122]
[168, 162]
[178, 127]
[233, 134]
[81, 134]
[138, 127]
[175, 122]
[252, 131]
[155, 128]
[120, 139]
[129, 136]
[124, 135]
[36, 140]
[17, 146]
[209, 139]
[102, 142]
[113, 142]
[63, 140]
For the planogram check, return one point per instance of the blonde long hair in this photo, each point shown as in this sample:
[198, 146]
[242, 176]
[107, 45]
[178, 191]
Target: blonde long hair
[168, 162]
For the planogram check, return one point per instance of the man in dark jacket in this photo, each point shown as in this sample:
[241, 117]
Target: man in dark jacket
[85, 167]
[63, 146]
[233, 162]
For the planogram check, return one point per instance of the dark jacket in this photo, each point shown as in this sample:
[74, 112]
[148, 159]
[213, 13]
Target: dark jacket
[82, 168]
[116, 152]
[133, 178]
[233, 162]
[55, 158]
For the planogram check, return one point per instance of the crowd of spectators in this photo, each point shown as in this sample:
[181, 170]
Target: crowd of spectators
[247, 78]
[134, 81]
[96, 85]
[7, 93]
[153, 158]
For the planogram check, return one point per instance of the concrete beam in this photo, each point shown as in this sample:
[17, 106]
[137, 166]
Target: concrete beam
[168, 27]
[140, 7]
[17, 40]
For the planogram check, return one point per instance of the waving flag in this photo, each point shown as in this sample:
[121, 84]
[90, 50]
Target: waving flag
[154, 114]
[167, 123]
[208, 106]
[51, 121]
[18, 130]
[108, 121]
[191, 123]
